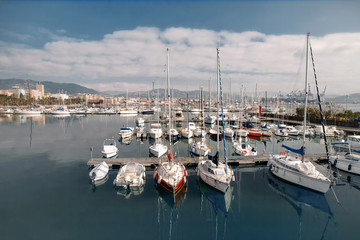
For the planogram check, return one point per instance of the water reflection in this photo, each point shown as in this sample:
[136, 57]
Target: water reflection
[96, 184]
[168, 212]
[215, 207]
[300, 198]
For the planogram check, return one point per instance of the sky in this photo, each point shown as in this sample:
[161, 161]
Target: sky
[121, 45]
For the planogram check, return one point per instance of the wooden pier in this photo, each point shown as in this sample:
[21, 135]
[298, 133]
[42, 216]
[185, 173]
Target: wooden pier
[235, 161]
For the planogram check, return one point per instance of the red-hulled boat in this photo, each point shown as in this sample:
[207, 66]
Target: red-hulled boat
[170, 175]
[254, 132]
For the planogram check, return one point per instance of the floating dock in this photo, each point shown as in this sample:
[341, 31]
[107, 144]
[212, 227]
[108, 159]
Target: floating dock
[235, 161]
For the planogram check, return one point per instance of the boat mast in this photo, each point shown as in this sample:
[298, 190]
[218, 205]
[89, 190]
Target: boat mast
[306, 95]
[218, 99]
[168, 92]
[209, 93]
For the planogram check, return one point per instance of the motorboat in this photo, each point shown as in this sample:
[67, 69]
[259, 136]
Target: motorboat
[158, 149]
[244, 149]
[131, 175]
[128, 111]
[173, 133]
[30, 111]
[187, 133]
[179, 117]
[126, 132]
[60, 110]
[199, 132]
[99, 172]
[281, 133]
[140, 121]
[240, 132]
[155, 131]
[292, 131]
[200, 148]
[109, 148]
[229, 132]
[210, 120]
[254, 132]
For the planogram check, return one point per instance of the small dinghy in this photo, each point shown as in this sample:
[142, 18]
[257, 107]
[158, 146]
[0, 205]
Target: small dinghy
[99, 172]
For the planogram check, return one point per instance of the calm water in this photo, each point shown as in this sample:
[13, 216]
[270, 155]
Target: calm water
[46, 192]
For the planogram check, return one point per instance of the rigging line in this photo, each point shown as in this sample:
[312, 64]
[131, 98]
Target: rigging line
[222, 116]
[320, 107]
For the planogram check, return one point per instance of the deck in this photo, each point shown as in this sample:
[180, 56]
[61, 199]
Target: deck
[235, 161]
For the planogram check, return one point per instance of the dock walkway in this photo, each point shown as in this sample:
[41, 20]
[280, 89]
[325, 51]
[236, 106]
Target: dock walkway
[235, 161]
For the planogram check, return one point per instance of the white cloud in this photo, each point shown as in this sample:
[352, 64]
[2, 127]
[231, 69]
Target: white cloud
[275, 62]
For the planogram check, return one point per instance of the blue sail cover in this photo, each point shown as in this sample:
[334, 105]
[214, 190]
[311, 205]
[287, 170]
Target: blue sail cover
[357, 151]
[298, 151]
[339, 143]
[248, 124]
[264, 126]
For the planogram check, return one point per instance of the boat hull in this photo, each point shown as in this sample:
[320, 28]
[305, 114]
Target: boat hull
[294, 177]
[345, 165]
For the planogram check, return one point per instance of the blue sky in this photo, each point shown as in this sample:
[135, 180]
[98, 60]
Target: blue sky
[88, 42]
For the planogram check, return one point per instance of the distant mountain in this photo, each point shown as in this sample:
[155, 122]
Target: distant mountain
[162, 94]
[112, 93]
[49, 87]
[351, 99]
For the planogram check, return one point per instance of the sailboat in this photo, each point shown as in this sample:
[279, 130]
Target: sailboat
[349, 162]
[298, 170]
[213, 172]
[170, 175]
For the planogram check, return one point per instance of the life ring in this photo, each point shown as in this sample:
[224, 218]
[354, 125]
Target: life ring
[282, 153]
[244, 152]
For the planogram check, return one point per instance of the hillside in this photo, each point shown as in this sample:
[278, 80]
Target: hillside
[49, 87]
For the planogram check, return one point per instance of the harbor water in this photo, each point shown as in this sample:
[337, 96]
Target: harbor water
[47, 194]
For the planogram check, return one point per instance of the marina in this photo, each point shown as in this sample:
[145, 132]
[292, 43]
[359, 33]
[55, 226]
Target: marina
[53, 158]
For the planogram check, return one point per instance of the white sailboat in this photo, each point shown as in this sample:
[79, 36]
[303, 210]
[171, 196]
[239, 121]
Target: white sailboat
[213, 172]
[170, 175]
[349, 162]
[295, 169]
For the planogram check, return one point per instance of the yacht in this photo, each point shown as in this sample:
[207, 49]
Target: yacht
[200, 148]
[158, 149]
[155, 130]
[131, 175]
[109, 148]
[244, 149]
[126, 132]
